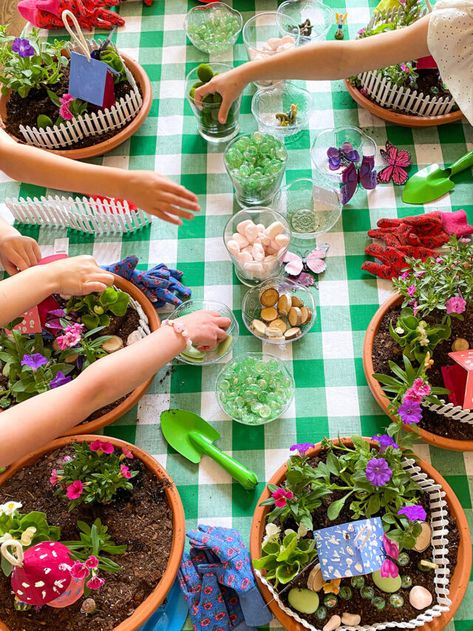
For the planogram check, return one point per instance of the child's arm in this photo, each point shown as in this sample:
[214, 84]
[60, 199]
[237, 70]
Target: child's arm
[16, 251]
[150, 191]
[322, 61]
[74, 276]
[34, 422]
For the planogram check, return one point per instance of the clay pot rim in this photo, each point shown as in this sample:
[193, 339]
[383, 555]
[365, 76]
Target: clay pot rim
[105, 146]
[453, 444]
[459, 580]
[157, 596]
[405, 120]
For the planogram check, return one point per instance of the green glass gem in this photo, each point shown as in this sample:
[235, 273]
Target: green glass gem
[321, 613]
[367, 592]
[345, 593]
[403, 559]
[330, 601]
[406, 581]
[357, 582]
[396, 600]
[379, 603]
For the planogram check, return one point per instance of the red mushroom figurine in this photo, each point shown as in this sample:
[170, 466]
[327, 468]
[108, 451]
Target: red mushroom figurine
[42, 573]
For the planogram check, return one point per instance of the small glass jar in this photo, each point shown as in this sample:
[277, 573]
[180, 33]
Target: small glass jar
[282, 110]
[313, 17]
[213, 28]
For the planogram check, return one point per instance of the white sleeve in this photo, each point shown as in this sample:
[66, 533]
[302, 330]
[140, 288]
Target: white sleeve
[450, 41]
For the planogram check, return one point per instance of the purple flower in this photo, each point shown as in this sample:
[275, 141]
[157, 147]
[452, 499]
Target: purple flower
[334, 158]
[23, 47]
[34, 361]
[57, 313]
[378, 472]
[59, 380]
[405, 68]
[410, 412]
[456, 304]
[302, 448]
[411, 290]
[385, 441]
[405, 275]
[415, 512]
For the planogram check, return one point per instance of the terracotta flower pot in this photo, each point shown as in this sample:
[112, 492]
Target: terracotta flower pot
[99, 149]
[459, 578]
[134, 396]
[377, 391]
[157, 596]
[405, 120]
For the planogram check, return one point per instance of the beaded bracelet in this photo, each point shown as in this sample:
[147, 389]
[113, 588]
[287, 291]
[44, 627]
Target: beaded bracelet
[181, 329]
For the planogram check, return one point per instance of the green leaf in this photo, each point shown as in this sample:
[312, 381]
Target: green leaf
[54, 98]
[334, 509]
[43, 121]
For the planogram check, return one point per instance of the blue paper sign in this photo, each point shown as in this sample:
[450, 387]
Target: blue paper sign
[89, 80]
[350, 549]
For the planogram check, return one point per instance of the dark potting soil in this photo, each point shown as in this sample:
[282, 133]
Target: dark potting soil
[25, 111]
[361, 606]
[141, 519]
[385, 349]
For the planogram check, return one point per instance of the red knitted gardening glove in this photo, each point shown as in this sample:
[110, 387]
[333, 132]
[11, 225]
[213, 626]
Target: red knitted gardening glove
[422, 230]
[89, 13]
[391, 260]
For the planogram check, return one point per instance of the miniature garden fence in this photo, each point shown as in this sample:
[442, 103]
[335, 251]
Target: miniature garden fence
[94, 216]
[75, 130]
[439, 525]
[453, 412]
[391, 96]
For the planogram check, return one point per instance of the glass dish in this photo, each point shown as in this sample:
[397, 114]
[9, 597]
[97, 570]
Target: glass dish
[280, 99]
[249, 271]
[252, 309]
[207, 113]
[213, 28]
[321, 18]
[201, 358]
[255, 389]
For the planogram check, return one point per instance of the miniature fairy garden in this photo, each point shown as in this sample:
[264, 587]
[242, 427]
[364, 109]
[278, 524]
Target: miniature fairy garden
[75, 555]
[425, 342]
[53, 93]
[347, 537]
[54, 342]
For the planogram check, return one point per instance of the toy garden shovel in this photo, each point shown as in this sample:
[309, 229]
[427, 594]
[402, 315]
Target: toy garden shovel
[433, 182]
[192, 437]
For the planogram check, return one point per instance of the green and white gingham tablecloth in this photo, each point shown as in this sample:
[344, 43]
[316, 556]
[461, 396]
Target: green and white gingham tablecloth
[332, 397]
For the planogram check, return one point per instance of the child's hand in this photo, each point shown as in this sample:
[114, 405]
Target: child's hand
[159, 196]
[229, 85]
[206, 328]
[78, 276]
[17, 253]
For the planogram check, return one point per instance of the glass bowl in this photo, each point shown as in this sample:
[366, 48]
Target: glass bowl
[256, 164]
[321, 18]
[310, 210]
[280, 295]
[364, 145]
[280, 99]
[268, 33]
[213, 28]
[255, 388]
[207, 113]
[256, 257]
[201, 358]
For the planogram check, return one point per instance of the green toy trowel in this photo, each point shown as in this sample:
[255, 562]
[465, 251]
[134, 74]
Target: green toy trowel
[192, 437]
[432, 182]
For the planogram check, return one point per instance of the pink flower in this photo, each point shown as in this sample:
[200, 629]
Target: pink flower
[71, 337]
[92, 563]
[101, 447]
[419, 388]
[127, 453]
[95, 583]
[53, 479]
[125, 471]
[405, 275]
[67, 459]
[64, 110]
[456, 304]
[391, 547]
[281, 496]
[411, 290]
[439, 259]
[74, 490]
[389, 568]
[79, 570]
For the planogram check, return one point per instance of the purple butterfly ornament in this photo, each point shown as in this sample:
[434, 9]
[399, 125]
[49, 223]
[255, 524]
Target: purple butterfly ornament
[344, 155]
[351, 177]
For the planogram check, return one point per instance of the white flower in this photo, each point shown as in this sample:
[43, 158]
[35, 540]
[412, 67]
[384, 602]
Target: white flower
[9, 508]
[6, 537]
[272, 532]
[27, 536]
[302, 531]
[399, 330]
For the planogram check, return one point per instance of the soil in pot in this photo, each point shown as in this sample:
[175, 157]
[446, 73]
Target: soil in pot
[25, 111]
[385, 349]
[140, 519]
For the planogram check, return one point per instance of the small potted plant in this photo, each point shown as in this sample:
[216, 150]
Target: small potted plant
[105, 507]
[67, 336]
[411, 93]
[37, 108]
[346, 535]
[419, 336]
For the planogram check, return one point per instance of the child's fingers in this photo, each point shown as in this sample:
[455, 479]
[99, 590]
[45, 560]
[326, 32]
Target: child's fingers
[36, 252]
[168, 218]
[94, 286]
[224, 108]
[178, 189]
[180, 202]
[169, 209]
[19, 260]
[10, 268]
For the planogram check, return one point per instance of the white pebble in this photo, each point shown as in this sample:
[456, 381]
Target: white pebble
[243, 225]
[244, 257]
[274, 229]
[251, 232]
[333, 623]
[282, 240]
[351, 619]
[420, 597]
[258, 252]
[233, 247]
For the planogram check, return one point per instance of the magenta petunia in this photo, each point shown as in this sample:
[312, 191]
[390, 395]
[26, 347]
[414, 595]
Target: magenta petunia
[456, 304]
[125, 471]
[95, 583]
[411, 290]
[127, 453]
[415, 512]
[79, 570]
[92, 562]
[64, 110]
[389, 569]
[281, 496]
[74, 490]
[419, 388]
[378, 472]
[410, 412]
[391, 547]
[53, 478]
[101, 447]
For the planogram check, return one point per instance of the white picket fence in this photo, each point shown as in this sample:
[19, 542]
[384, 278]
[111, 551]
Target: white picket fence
[453, 412]
[86, 214]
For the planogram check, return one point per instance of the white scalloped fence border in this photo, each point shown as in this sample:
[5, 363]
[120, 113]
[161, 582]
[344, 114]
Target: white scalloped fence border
[86, 214]
[439, 524]
[391, 96]
[143, 325]
[73, 131]
[452, 412]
